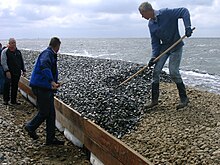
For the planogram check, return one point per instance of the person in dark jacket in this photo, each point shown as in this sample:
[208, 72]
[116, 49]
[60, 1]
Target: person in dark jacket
[13, 66]
[44, 82]
[164, 32]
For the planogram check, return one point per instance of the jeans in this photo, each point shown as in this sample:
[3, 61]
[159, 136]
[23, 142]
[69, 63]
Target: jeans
[46, 111]
[174, 64]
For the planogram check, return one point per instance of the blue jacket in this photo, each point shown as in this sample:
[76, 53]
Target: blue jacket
[164, 30]
[45, 70]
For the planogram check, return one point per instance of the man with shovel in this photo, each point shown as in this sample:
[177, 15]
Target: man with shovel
[163, 26]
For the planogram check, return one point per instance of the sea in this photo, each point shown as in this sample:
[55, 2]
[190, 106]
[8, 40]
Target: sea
[200, 65]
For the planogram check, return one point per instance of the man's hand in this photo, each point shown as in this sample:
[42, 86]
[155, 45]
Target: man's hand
[24, 74]
[151, 62]
[8, 75]
[55, 85]
[188, 31]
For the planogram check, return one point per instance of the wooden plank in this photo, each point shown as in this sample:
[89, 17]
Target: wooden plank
[24, 81]
[24, 85]
[112, 145]
[101, 154]
[26, 89]
[68, 124]
[71, 119]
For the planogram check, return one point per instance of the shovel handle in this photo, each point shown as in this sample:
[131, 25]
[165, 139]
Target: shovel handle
[156, 59]
[171, 47]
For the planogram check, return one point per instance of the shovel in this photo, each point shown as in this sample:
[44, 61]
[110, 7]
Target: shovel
[156, 59]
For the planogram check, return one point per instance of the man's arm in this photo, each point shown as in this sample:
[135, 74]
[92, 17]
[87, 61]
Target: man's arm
[22, 63]
[45, 66]
[155, 43]
[184, 14]
[23, 66]
[4, 60]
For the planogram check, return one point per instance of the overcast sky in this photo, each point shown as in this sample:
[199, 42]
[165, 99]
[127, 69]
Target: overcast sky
[96, 18]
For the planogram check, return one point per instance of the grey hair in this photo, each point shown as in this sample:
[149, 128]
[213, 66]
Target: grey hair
[145, 6]
[11, 40]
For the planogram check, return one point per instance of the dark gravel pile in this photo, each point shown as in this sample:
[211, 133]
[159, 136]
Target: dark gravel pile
[92, 89]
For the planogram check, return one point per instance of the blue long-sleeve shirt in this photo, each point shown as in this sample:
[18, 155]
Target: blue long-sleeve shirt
[164, 29]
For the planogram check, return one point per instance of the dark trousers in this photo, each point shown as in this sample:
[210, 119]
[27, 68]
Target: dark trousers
[46, 111]
[11, 85]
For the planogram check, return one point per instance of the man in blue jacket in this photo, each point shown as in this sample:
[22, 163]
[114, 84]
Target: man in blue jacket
[44, 81]
[163, 26]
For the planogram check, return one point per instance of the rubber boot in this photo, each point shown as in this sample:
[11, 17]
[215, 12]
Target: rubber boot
[182, 94]
[155, 95]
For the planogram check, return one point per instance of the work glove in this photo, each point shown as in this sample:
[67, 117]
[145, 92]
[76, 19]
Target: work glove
[151, 62]
[188, 31]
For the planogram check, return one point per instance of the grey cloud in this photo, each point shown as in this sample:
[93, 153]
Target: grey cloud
[94, 19]
[201, 2]
[181, 3]
[30, 13]
[42, 2]
[122, 6]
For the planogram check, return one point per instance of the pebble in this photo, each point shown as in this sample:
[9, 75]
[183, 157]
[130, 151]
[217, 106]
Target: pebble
[216, 152]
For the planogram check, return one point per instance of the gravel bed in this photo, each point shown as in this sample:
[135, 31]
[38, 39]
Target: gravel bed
[188, 136]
